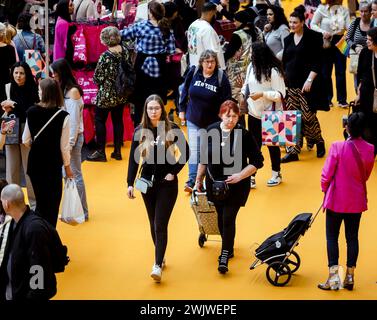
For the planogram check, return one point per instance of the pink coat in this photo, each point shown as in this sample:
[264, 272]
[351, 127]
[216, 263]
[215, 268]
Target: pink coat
[61, 38]
[341, 178]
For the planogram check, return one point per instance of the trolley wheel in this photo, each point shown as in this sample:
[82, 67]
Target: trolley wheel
[293, 261]
[278, 273]
[202, 239]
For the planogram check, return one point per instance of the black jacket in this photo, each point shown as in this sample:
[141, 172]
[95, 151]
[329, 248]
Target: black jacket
[364, 77]
[300, 60]
[29, 246]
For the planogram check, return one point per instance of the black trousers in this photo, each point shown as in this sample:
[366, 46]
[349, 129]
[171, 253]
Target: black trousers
[48, 194]
[100, 123]
[351, 224]
[160, 201]
[255, 127]
[226, 218]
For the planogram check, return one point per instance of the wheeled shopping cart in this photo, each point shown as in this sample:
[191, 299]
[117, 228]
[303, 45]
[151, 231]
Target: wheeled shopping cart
[278, 250]
[206, 216]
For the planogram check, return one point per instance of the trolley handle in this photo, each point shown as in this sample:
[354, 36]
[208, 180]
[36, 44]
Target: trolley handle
[315, 216]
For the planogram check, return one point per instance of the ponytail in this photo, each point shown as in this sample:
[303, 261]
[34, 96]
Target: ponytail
[158, 12]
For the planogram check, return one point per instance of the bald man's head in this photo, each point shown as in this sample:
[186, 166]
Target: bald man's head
[13, 195]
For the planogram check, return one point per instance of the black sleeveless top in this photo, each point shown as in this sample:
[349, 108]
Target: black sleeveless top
[45, 155]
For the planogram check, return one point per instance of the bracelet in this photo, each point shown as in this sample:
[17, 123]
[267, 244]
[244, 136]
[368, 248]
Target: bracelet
[309, 80]
[199, 181]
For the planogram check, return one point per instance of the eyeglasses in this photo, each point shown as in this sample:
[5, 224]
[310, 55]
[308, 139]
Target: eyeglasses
[154, 109]
[209, 61]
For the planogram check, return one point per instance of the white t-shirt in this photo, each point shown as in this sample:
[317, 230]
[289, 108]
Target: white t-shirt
[201, 36]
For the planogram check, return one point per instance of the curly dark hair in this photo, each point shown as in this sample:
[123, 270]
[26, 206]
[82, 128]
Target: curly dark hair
[279, 17]
[264, 60]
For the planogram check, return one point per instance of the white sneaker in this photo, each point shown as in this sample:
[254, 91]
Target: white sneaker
[156, 273]
[253, 184]
[275, 180]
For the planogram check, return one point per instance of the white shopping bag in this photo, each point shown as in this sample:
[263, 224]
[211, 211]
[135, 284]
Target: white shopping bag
[72, 211]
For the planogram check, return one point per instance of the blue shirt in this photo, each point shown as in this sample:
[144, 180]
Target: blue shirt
[32, 41]
[150, 41]
[204, 95]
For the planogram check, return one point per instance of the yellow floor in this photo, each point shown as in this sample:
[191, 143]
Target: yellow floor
[112, 254]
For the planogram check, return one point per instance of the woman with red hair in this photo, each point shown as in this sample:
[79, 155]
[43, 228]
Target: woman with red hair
[232, 156]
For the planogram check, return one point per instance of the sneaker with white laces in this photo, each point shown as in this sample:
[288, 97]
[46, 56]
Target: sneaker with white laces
[275, 180]
[156, 273]
[253, 184]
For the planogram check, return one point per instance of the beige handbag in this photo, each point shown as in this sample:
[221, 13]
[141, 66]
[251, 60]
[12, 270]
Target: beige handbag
[354, 61]
[374, 86]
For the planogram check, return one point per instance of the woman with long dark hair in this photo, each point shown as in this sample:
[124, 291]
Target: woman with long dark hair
[63, 12]
[74, 105]
[237, 54]
[302, 61]
[154, 41]
[265, 85]
[47, 134]
[276, 30]
[23, 95]
[156, 135]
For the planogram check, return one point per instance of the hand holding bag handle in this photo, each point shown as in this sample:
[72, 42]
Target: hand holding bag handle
[283, 103]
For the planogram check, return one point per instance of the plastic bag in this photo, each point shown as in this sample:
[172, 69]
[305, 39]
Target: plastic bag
[72, 211]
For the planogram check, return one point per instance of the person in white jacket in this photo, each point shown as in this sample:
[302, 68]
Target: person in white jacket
[263, 87]
[201, 36]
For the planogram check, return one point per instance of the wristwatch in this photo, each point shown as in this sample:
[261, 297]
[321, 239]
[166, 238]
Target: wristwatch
[309, 80]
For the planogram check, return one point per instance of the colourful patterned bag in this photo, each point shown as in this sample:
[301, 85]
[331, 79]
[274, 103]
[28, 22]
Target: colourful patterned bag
[281, 128]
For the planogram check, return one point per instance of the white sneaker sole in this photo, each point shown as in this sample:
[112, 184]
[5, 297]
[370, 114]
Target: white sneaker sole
[273, 185]
[156, 277]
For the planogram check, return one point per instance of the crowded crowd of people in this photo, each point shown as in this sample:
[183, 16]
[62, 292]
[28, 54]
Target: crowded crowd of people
[220, 87]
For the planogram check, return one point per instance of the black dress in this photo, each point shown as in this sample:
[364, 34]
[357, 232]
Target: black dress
[245, 147]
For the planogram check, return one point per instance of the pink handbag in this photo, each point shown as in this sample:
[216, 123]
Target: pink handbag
[79, 45]
[94, 47]
[85, 81]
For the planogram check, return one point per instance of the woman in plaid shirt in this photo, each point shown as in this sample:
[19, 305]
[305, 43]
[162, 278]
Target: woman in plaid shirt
[154, 41]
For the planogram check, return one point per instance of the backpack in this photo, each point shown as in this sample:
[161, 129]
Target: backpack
[58, 251]
[126, 77]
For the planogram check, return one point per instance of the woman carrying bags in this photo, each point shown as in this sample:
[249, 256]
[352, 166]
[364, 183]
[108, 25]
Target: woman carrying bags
[47, 134]
[264, 86]
[344, 176]
[232, 179]
[156, 135]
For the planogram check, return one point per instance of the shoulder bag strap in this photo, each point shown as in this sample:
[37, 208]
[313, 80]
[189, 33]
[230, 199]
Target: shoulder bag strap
[7, 90]
[47, 123]
[356, 154]
[24, 43]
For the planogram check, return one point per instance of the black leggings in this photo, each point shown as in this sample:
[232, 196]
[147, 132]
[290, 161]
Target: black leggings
[160, 201]
[48, 194]
[226, 218]
[255, 127]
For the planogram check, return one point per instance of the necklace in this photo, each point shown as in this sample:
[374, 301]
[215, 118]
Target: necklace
[225, 134]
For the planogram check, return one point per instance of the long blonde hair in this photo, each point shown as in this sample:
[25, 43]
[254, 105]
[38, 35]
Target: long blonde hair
[146, 125]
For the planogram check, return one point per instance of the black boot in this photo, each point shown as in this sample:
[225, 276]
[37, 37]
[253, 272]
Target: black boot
[98, 156]
[117, 155]
[289, 157]
[321, 151]
[223, 263]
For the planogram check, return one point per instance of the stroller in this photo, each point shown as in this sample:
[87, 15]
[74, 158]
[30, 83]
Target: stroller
[206, 216]
[278, 250]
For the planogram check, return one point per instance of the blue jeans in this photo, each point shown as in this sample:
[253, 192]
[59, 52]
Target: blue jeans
[351, 224]
[76, 169]
[193, 141]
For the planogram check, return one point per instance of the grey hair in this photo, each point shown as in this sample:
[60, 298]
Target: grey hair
[206, 54]
[3, 29]
[366, 4]
[110, 36]
[14, 194]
